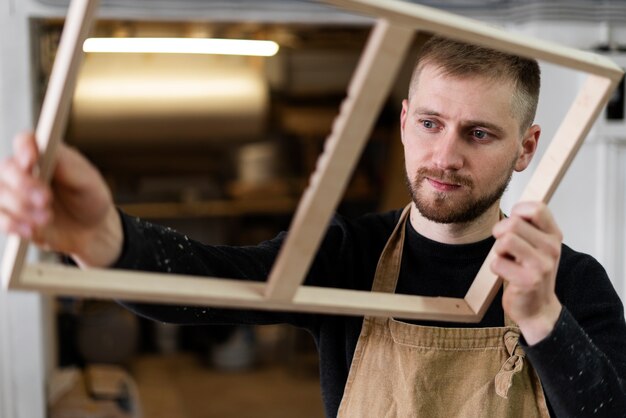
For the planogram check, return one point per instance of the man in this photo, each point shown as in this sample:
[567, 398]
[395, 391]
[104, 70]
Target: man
[552, 344]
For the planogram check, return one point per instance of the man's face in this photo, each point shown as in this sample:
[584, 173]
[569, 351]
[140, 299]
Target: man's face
[461, 145]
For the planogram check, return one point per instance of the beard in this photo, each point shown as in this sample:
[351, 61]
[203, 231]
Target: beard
[445, 208]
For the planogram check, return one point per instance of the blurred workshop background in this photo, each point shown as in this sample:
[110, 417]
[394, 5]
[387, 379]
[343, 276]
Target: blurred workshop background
[220, 148]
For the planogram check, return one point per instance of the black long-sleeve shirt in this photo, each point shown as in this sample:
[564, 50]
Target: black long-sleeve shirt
[581, 364]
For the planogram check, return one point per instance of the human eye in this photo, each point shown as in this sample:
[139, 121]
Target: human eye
[428, 123]
[480, 134]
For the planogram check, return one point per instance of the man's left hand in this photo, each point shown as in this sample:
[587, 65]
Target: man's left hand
[528, 248]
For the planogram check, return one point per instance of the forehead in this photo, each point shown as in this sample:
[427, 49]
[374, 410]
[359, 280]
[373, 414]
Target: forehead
[464, 97]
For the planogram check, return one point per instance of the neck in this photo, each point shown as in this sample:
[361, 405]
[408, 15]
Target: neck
[459, 233]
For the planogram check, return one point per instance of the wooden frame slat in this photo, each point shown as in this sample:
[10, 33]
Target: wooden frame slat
[367, 92]
[469, 30]
[548, 174]
[397, 21]
[54, 114]
[142, 286]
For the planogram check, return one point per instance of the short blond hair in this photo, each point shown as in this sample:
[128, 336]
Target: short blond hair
[459, 59]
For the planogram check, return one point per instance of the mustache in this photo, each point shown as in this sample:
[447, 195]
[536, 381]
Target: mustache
[444, 176]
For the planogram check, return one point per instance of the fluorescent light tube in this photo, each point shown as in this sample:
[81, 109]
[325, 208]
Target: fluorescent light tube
[181, 46]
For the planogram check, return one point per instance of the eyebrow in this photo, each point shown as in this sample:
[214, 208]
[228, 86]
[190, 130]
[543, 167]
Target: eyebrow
[491, 126]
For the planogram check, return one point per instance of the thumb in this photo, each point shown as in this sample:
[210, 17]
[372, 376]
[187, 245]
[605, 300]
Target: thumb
[26, 151]
[74, 173]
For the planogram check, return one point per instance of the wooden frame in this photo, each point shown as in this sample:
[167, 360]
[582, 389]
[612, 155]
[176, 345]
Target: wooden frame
[383, 55]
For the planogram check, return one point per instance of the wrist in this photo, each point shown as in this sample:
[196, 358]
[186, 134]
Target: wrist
[537, 328]
[102, 246]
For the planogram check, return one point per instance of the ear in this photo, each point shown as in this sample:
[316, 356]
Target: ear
[528, 147]
[403, 117]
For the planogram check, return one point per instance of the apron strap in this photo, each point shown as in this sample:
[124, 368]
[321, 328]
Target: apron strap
[385, 280]
[388, 267]
[387, 272]
[508, 322]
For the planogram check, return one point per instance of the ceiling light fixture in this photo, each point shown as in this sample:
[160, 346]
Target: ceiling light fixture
[181, 46]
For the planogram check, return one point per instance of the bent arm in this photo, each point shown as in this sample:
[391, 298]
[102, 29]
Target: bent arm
[582, 362]
[155, 248]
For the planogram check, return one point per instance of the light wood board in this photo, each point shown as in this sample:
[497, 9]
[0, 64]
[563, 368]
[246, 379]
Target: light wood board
[397, 22]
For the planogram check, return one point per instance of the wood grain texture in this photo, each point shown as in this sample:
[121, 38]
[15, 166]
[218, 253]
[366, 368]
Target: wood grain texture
[472, 31]
[553, 165]
[371, 83]
[203, 291]
[54, 113]
[384, 54]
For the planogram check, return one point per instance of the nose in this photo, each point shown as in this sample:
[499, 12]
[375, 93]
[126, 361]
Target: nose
[447, 154]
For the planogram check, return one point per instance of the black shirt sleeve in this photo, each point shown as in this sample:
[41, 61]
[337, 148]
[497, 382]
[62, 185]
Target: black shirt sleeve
[150, 247]
[582, 363]
[155, 248]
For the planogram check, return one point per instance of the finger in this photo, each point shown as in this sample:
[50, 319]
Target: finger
[535, 262]
[21, 197]
[519, 274]
[19, 212]
[514, 247]
[11, 225]
[509, 270]
[26, 151]
[527, 231]
[538, 214]
[525, 272]
[21, 188]
[73, 170]
[81, 186]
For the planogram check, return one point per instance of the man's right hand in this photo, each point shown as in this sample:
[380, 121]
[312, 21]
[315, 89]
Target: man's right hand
[74, 215]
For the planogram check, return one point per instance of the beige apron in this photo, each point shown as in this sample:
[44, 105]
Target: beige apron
[406, 370]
